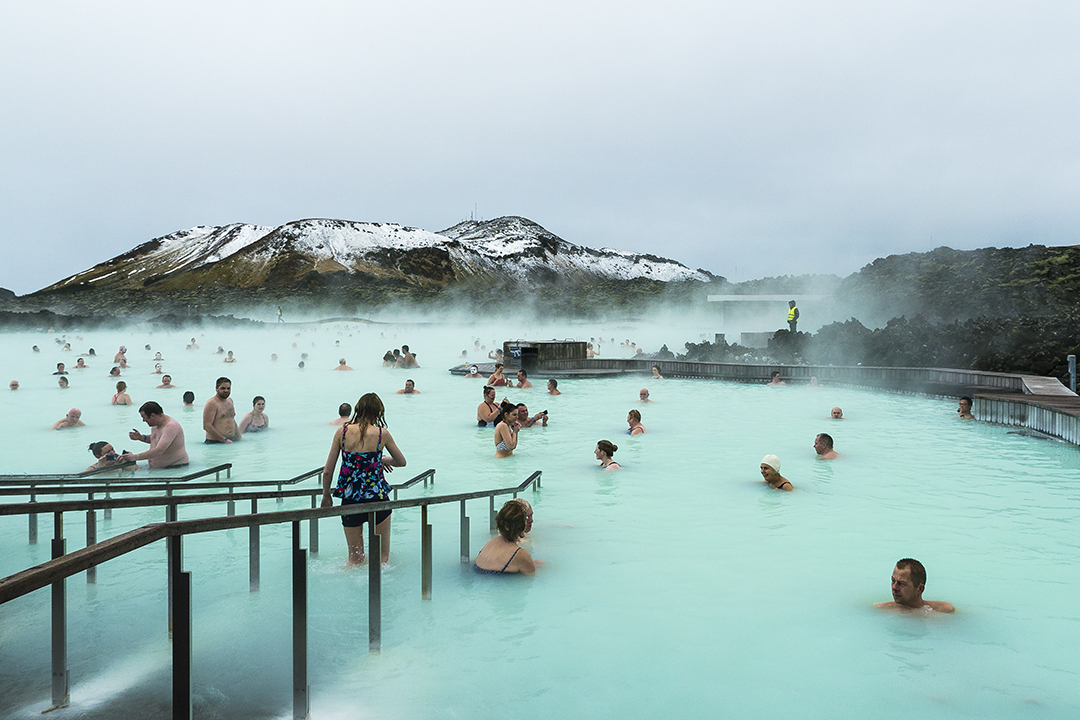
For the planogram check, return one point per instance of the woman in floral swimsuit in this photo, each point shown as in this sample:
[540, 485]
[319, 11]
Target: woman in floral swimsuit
[360, 443]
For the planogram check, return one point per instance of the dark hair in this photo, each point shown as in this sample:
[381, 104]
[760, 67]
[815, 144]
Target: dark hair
[827, 439]
[775, 373]
[506, 409]
[150, 408]
[344, 410]
[405, 348]
[970, 401]
[410, 380]
[256, 399]
[607, 447]
[511, 521]
[217, 383]
[918, 572]
[388, 357]
[522, 371]
[369, 411]
[95, 448]
[486, 388]
[189, 397]
[121, 386]
[554, 383]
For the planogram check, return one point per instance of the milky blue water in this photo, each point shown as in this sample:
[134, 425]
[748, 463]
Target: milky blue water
[677, 587]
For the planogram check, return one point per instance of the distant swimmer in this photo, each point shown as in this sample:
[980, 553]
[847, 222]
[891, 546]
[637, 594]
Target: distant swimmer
[80, 364]
[166, 439]
[60, 369]
[229, 358]
[502, 555]
[115, 372]
[836, 414]
[589, 352]
[770, 470]
[487, 411]
[409, 389]
[121, 354]
[121, 397]
[776, 379]
[193, 345]
[823, 446]
[341, 365]
[474, 372]
[189, 399]
[643, 395]
[553, 387]
[166, 383]
[908, 583]
[528, 513]
[408, 359]
[633, 419]
[157, 369]
[965, 408]
[13, 385]
[604, 450]
[525, 421]
[656, 373]
[73, 419]
[63, 383]
[219, 415]
[344, 411]
[523, 379]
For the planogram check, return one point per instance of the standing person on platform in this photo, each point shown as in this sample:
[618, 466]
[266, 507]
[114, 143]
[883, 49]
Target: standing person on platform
[360, 444]
[792, 316]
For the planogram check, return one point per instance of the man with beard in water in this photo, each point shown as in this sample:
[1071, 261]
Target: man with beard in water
[219, 415]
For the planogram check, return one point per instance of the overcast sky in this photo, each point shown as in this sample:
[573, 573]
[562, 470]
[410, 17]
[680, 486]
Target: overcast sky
[749, 139]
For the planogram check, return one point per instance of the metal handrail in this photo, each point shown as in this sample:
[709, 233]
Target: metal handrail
[35, 578]
[19, 480]
[7, 509]
[146, 485]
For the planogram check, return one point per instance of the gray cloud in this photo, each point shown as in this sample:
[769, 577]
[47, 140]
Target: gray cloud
[778, 137]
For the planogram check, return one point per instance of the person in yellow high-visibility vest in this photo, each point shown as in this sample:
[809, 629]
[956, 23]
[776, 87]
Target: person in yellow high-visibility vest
[792, 316]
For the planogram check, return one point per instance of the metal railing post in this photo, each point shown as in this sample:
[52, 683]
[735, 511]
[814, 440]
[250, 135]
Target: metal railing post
[491, 512]
[465, 553]
[173, 561]
[253, 551]
[374, 587]
[313, 530]
[1072, 373]
[425, 554]
[232, 503]
[91, 538]
[60, 694]
[33, 519]
[181, 648]
[301, 694]
[280, 499]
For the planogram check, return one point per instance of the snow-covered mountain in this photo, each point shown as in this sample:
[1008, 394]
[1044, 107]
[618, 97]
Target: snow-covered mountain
[508, 249]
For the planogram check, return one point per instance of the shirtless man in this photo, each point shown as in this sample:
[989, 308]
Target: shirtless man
[344, 411]
[823, 446]
[194, 345]
[523, 379]
[553, 387]
[836, 413]
[487, 411]
[474, 372]
[525, 421]
[121, 354]
[219, 415]
[965, 408]
[342, 366]
[166, 439]
[166, 383]
[73, 419]
[908, 583]
[643, 395]
[409, 389]
[408, 360]
[775, 380]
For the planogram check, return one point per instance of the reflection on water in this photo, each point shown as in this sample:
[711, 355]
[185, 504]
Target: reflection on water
[678, 585]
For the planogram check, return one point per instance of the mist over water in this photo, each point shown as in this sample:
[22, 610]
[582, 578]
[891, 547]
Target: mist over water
[678, 585]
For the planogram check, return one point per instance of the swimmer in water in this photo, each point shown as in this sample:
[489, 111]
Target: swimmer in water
[633, 419]
[342, 366]
[121, 397]
[166, 383]
[770, 470]
[506, 430]
[604, 450]
[219, 415]
[541, 418]
[256, 420]
[836, 413]
[157, 369]
[409, 389]
[523, 379]
[63, 383]
[473, 372]
[487, 411]
[229, 358]
[344, 411]
[73, 419]
[13, 385]
[553, 387]
[964, 409]
[502, 555]
[80, 364]
[643, 395]
[656, 373]
[823, 446]
[189, 399]
[776, 379]
[60, 369]
[497, 379]
[908, 583]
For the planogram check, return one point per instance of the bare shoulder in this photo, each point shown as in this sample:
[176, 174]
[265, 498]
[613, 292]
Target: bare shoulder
[941, 606]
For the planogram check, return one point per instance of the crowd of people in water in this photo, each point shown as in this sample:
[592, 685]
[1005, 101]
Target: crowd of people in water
[366, 450]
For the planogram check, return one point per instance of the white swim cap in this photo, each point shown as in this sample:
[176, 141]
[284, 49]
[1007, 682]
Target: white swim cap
[772, 461]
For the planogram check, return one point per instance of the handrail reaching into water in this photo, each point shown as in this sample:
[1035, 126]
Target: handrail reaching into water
[148, 485]
[74, 479]
[47, 573]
